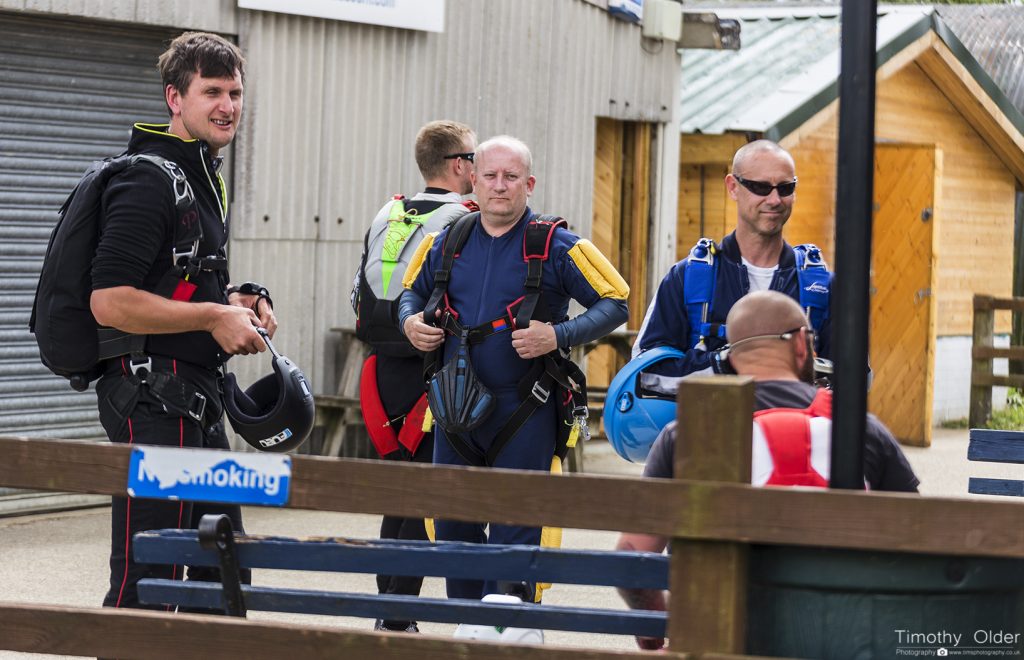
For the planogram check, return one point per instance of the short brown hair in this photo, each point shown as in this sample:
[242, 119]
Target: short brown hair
[211, 55]
[437, 140]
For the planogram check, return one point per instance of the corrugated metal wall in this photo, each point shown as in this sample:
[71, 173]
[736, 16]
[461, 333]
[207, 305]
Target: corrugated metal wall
[68, 93]
[332, 110]
[213, 15]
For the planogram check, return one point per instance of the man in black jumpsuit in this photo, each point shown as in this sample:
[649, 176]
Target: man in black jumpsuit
[192, 333]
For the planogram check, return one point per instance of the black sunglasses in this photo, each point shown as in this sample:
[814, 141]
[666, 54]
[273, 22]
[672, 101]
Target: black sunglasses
[763, 188]
[466, 156]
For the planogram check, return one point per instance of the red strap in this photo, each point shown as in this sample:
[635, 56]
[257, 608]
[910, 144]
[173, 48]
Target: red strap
[412, 433]
[384, 438]
[822, 404]
[183, 291]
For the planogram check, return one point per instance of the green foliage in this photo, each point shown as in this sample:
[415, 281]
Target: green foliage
[1010, 418]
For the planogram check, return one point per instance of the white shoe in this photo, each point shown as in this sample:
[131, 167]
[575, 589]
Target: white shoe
[500, 633]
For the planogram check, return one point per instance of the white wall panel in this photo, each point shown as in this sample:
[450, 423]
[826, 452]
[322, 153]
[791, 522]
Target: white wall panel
[211, 15]
[952, 395]
[336, 264]
[286, 269]
[279, 144]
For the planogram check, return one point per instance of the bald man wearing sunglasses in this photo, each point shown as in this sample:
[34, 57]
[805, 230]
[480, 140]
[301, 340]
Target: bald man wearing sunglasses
[753, 258]
[770, 342]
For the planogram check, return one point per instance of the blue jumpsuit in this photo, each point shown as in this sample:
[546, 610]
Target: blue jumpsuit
[487, 276]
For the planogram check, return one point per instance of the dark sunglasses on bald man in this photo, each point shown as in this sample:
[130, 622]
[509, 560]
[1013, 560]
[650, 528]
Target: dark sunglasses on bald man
[763, 188]
[466, 156]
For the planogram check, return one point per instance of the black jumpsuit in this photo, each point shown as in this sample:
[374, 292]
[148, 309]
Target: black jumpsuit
[135, 250]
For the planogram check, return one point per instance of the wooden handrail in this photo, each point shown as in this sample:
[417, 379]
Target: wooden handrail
[709, 521]
[1010, 352]
[984, 351]
[701, 510]
[983, 302]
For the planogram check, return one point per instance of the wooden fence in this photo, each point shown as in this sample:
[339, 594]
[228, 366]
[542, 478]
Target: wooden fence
[708, 511]
[984, 351]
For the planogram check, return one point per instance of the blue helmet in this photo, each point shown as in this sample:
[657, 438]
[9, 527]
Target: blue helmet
[632, 420]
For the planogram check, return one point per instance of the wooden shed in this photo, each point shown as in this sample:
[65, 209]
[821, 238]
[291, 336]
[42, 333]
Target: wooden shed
[949, 155]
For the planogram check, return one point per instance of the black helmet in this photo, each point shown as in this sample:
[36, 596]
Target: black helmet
[276, 412]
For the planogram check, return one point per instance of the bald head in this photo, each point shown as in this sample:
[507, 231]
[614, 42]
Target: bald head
[756, 328]
[753, 150]
[763, 313]
[510, 143]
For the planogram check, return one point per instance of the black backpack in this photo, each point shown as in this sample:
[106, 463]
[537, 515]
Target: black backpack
[71, 343]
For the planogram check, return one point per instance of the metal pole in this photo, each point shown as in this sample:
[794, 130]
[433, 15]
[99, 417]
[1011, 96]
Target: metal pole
[854, 192]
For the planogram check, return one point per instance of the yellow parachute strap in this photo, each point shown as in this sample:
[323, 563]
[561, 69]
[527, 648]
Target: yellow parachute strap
[428, 421]
[550, 537]
[416, 263]
[598, 271]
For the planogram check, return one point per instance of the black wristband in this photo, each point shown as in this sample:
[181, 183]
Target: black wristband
[253, 289]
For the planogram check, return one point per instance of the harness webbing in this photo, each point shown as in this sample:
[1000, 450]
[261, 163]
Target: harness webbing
[700, 278]
[548, 371]
[176, 283]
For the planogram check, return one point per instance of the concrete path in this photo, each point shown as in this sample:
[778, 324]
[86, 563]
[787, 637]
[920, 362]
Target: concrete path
[61, 558]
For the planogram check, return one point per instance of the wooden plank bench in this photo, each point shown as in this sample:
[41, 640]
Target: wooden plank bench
[215, 545]
[995, 446]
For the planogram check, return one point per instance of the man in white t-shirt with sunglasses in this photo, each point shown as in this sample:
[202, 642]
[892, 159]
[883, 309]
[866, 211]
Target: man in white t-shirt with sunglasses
[691, 304]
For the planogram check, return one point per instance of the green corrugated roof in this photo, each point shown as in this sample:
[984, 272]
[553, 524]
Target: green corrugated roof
[995, 36]
[787, 68]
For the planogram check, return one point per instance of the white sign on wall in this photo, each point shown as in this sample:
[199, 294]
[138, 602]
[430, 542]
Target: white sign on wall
[425, 15]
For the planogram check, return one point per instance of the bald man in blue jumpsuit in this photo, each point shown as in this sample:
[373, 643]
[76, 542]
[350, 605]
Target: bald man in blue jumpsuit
[487, 276]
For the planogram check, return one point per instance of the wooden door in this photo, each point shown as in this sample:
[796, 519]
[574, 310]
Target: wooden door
[620, 228]
[902, 342]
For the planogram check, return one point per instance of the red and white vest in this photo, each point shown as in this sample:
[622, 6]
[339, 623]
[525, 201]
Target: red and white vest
[792, 446]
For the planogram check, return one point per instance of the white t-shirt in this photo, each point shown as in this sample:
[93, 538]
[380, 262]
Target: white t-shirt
[760, 278]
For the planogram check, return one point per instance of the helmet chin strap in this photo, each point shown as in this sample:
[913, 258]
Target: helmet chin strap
[266, 338]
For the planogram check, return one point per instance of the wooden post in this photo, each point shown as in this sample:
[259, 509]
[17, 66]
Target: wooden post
[708, 579]
[981, 367]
